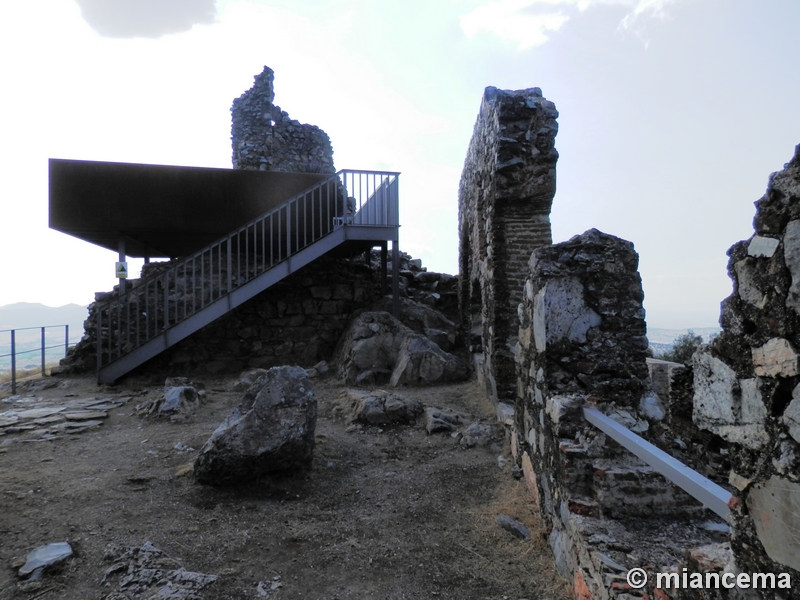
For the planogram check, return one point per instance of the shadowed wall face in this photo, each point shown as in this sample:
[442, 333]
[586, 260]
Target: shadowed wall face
[747, 382]
[264, 138]
[506, 191]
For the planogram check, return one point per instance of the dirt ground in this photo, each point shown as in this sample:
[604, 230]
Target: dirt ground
[389, 513]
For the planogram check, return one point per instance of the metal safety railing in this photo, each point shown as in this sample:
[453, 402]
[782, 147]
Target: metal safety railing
[158, 302]
[711, 495]
[41, 348]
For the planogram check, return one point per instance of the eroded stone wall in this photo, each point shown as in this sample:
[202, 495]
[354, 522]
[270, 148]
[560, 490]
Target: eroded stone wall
[506, 191]
[582, 342]
[264, 138]
[297, 321]
[747, 383]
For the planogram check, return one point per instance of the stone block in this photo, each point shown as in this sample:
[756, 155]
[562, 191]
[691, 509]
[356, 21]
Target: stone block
[530, 478]
[560, 313]
[762, 247]
[747, 272]
[791, 416]
[775, 508]
[329, 307]
[714, 382]
[776, 358]
[791, 256]
[343, 292]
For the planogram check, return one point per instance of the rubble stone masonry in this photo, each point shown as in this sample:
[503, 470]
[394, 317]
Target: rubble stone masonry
[506, 191]
[264, 138]
[582, 343]
[747, 384]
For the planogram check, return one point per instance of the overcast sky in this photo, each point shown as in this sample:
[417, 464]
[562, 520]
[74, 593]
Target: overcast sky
[673, 113]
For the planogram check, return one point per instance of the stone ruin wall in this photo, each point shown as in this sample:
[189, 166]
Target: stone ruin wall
[734, 416]
[506, 191]
[297, 321]
[747, 383]
[582, 342]
[264, 138]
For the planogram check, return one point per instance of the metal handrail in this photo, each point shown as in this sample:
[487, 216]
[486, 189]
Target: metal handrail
[42, 348]
[711, 495]
[156, 303]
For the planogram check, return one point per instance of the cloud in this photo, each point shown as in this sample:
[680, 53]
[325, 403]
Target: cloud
[529, 23]
[145, 18]
[644, 9]
[509, 20]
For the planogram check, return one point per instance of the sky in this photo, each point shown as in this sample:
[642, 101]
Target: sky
[673, 113]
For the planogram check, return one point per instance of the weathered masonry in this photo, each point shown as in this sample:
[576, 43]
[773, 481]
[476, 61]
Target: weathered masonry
[506, 191]
[633, 462]
[264, 138]
[747, 384]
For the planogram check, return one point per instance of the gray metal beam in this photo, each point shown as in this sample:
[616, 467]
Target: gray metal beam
[706, 491]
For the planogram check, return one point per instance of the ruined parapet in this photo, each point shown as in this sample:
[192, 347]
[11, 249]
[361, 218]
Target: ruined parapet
[582, 342]
[506, 191]
[264, 138]
[747, 382]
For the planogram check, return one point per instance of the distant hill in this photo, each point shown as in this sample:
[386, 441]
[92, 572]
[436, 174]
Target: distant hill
[661, 339]
[23, 315]
[30, 314]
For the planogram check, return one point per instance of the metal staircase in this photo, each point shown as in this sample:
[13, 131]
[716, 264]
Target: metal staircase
[160, 310]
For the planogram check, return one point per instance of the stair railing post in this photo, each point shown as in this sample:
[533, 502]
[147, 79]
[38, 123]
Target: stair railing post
[229, 264]
[288, 230]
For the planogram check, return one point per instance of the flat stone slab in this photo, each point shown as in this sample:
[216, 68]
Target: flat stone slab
[45, 556]
[48, 417]
[37, 413]
[85, 415]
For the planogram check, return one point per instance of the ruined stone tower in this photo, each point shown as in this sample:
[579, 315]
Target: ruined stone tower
[506, 191]
[264, 138]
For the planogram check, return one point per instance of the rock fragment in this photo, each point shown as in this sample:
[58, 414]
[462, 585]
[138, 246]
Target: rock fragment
[44, 557]
[514, 527]
[271, 430]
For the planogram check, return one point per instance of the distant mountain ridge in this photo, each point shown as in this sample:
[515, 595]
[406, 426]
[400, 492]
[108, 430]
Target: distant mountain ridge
[32, 314]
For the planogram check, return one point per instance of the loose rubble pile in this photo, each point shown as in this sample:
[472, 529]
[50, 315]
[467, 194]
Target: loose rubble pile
[181, 398]
[148, 573]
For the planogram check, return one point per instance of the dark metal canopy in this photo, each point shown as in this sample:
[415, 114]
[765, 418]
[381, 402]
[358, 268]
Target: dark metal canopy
[161, 211]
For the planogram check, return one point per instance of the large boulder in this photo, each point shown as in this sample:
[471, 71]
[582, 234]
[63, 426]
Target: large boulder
[420, 361]
[377, 348]
[368, 349]
[272, 430]
[423, 319]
